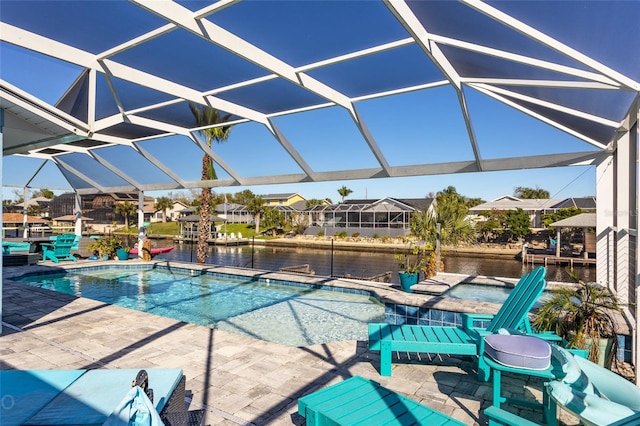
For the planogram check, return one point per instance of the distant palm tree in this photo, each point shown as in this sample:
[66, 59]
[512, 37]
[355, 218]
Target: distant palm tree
[344, 192]
[451, 212]
[207, 116]
[530, 193]
[256, 207]
[125, 209]
[163, 203]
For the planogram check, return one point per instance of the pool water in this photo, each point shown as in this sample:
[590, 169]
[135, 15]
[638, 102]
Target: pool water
[288, 315]
[483, 293]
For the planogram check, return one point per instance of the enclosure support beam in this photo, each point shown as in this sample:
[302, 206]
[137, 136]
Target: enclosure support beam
[617, 227]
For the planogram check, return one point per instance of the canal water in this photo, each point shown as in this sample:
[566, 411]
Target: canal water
[356, 263]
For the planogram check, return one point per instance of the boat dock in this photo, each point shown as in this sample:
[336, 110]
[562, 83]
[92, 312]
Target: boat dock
[220, 241]
[552, 259]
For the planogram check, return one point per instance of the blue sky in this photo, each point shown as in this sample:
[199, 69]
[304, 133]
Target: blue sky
[411, 121]
[428, 121]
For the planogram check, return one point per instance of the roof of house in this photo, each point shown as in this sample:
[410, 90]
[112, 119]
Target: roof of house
[582, 220]
[35, 201]
[587, 203]
[284, 196]
[513, 203]
[19, 218]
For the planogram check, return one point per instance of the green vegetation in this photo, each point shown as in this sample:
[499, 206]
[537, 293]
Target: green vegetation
[344, 192]
[125, 210]
[163, 228]
[245, 229]
[582, 315]
[316, 202]
[273, 220]
[217, 131]
[108, 245]
[517, 224]
[549, 218]
[297, 223]
[163, 204]
[451, 212]
[256, 206]
[530, 193]
[510, 224]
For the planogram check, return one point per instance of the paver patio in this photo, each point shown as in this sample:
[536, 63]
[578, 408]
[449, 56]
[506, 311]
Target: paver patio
[237, 379]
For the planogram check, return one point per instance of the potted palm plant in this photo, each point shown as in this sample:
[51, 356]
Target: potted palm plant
[585, 316]
[107, 246]
[410, 265]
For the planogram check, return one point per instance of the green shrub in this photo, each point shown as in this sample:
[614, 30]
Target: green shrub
[341, 234]
[320, 233]
[386, 238]
[376, 236]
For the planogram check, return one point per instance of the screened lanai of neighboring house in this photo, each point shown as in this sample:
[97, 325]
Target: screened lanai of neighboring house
[387, 216]
[95, 97]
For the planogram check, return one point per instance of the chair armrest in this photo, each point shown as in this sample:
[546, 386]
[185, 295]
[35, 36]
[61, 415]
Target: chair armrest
[549, 336]
[468, 319]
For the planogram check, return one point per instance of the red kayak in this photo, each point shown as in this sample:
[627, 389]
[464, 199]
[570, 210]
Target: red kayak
[154, 251]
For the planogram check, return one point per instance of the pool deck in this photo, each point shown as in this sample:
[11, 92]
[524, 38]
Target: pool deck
[237, 379]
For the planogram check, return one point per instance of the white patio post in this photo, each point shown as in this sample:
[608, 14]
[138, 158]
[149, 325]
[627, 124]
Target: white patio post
[25, 222]
[78, 213]
[140, 222]
[605, 234]
[617, 227]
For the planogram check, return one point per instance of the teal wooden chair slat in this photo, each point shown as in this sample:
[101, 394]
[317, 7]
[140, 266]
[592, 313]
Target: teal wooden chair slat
[60, 249]
[461, 340]
[359, 401]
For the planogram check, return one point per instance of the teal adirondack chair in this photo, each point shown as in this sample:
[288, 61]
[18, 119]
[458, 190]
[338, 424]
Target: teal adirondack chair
[60, 249]
[466, 339]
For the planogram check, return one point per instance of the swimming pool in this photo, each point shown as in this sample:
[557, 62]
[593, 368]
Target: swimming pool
[483, 293]
[283, 312]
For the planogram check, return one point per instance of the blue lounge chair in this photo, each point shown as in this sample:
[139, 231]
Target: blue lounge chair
[60, 249]
[88, 397]
[359, 401]
[464, 340]
[16, 247]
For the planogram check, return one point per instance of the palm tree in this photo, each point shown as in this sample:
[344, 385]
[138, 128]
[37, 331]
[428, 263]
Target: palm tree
[344, 192]
[163, 203]
[256, 207]
[530, 193]
[207, 116]
[451, 212]
[125, 209]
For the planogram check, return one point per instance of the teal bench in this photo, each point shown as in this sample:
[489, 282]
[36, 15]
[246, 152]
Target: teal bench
[359, 401]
